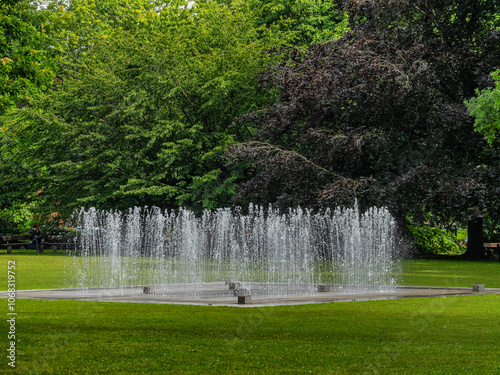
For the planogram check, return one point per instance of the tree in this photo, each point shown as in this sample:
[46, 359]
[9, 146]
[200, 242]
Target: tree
[24, 68]
[145, 116]
[379, 114]
[16, 202]
[486, 109]
[76, 25]
[311, 21]
[25, 71]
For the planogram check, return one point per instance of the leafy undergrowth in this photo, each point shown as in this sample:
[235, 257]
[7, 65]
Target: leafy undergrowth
[432, 240]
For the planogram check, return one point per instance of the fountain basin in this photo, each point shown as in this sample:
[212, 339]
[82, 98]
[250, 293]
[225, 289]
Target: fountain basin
[268, 251]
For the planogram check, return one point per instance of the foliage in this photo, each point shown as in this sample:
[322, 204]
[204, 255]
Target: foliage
[486, 109]
[380, 114]
[17, 219]
[24, 68]
[432, 240]
[17, 200]
[146, 118]
[75, 25]
[147, 93]
[311, 21]
[25, 71]
[491, 230]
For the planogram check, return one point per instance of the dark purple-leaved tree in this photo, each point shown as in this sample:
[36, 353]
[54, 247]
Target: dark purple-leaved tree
[379, 115]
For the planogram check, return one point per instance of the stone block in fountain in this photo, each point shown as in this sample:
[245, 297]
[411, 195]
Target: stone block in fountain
[244, 296]
[324, 288]
[148, 290]
[478, 287]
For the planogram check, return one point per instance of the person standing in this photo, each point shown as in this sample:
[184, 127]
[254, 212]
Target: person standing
[36, 236]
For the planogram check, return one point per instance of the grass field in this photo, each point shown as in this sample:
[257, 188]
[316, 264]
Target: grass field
[452, 273]
[458, 335]
[423, 336]
[46, 271]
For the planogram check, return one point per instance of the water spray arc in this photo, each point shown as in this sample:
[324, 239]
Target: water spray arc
[267, 253]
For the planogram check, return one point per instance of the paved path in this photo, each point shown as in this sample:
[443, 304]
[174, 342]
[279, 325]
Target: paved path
[137, 295]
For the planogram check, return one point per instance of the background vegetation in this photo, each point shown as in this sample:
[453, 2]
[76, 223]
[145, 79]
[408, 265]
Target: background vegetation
[212, 103]
[114, 103]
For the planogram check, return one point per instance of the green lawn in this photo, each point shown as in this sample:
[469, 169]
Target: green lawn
[422, 336]
[38, 271]
[458, 335]
[45, 271]
[453, 273]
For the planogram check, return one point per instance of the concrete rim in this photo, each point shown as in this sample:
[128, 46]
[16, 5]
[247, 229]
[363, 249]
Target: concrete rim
[402, 292]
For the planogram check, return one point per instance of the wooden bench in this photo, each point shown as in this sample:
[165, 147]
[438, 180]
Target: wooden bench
[492, 250]
[55, 242]
[17, 242]
[59, 242]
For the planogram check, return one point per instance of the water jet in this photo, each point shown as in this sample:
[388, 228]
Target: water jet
[267, 253]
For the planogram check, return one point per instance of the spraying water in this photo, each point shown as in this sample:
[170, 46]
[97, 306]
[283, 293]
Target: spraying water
[268, 253]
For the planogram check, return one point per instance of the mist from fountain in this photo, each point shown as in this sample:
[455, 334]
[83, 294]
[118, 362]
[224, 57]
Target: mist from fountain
[272, 254]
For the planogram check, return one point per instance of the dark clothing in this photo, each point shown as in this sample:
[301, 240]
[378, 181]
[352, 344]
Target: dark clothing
[34, 233]
[36, 237]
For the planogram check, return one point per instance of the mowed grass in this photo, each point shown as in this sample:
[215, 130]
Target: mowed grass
[38, 271]
[450, 273]
[47, 271]
[456, 335]
[422, 336]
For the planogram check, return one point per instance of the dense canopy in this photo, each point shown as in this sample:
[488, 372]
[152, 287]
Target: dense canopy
[211, 104]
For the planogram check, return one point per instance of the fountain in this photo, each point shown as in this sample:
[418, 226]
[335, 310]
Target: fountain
[226, 253]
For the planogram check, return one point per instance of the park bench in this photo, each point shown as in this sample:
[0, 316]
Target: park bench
[54, 242]
[492, 250]
[18, 242]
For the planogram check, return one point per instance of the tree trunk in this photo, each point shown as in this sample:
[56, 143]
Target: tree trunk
[475, 248]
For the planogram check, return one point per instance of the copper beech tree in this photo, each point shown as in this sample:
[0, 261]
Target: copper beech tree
[379, 115]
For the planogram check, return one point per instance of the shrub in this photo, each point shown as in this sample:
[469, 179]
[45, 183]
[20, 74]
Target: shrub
[432, 240]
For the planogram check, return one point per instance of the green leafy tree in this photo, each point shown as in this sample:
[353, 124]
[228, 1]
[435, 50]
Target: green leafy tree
[311, 21]
[26, 70]
[145, 119]
[76, 25]
[24, 67]
[486, 109]
[17, 200]
[17, 219]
